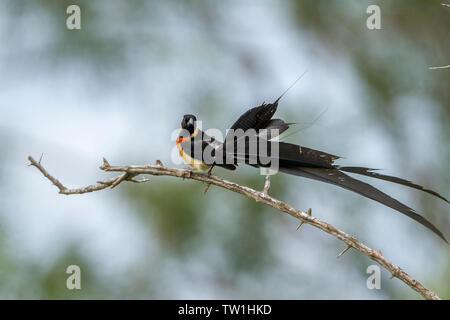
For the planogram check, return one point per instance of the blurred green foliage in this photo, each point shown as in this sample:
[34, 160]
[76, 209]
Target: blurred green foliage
[176, 212]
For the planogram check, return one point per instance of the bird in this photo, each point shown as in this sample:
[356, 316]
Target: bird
[193, 145]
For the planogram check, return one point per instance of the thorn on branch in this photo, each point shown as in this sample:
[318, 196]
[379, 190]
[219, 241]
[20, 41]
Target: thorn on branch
[206, 188]
[308, 212]
[208, 183]
[105, 164]
[350, 246]
[344, 251]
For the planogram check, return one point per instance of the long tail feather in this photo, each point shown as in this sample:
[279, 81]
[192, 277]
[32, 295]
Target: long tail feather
[369, 172]
[334, 176]
[290, 87]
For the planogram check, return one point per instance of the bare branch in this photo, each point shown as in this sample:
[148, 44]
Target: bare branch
[128, 172]
[99, 186]
[443, 67]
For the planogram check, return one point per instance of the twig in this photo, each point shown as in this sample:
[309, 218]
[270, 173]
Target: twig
[344, 251]
[160, 170]
[267, 185]
[443, 67]
[206, 188]
[99, 186]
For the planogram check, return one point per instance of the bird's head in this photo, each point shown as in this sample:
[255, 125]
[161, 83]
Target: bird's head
[189, 123]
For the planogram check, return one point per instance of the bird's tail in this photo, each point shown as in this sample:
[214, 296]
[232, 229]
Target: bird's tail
[370, 173]
[336, 177]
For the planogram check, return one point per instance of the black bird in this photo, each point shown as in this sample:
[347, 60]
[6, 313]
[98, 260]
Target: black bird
[292, 159]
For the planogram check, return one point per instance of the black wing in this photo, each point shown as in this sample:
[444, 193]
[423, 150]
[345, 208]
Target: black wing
[288, 154]
[256, 118]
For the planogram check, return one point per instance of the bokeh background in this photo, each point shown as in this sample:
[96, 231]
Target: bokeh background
[118, 88]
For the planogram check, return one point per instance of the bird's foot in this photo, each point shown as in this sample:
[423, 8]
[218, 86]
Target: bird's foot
[187, 172]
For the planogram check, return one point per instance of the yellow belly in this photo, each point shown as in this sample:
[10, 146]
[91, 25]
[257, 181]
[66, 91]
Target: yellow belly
[196, 164]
